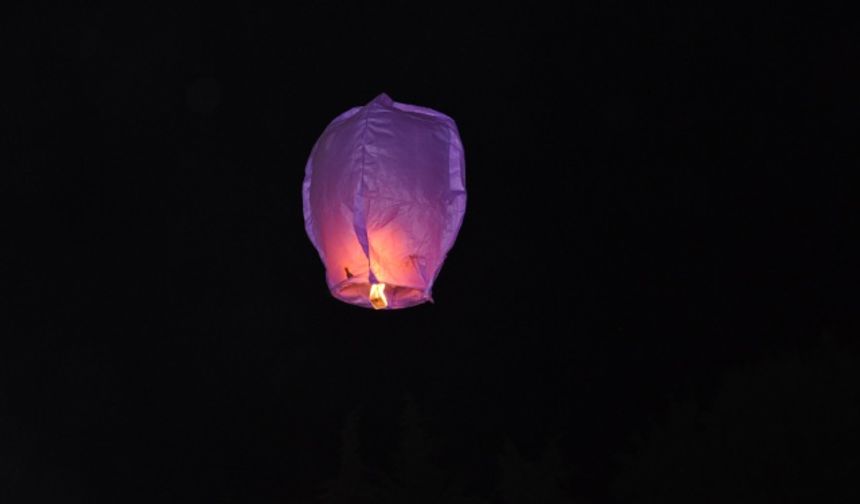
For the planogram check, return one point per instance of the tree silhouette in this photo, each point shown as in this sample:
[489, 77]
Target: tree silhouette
[413, 464]
[27, 474]
[524, 482]
[416, 477]
[11, 458]
[784, 430]
[349, 486]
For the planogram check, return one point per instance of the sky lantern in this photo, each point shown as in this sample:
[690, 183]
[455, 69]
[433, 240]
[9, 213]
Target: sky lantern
[384, 196]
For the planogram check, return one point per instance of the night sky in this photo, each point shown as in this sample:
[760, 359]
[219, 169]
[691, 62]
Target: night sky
[652, 297]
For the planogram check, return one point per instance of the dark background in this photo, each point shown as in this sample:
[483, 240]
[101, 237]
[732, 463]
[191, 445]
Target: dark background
[652, 297]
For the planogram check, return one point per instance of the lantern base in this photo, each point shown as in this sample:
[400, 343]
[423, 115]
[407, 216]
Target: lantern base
[358, 292]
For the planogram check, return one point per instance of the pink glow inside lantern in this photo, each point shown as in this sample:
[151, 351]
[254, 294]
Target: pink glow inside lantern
[384, 196]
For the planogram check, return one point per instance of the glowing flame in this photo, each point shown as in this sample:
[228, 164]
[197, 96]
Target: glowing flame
[377, 296]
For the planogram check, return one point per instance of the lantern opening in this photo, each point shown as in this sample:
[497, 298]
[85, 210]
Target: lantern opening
[358, 290]
[377, 296]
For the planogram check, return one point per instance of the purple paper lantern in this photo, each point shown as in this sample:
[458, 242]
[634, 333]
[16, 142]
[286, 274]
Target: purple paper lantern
[384, 196]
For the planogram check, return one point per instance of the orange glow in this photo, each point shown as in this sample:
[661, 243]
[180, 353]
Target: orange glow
[377, 296]
[390, 276]
[392, 256]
